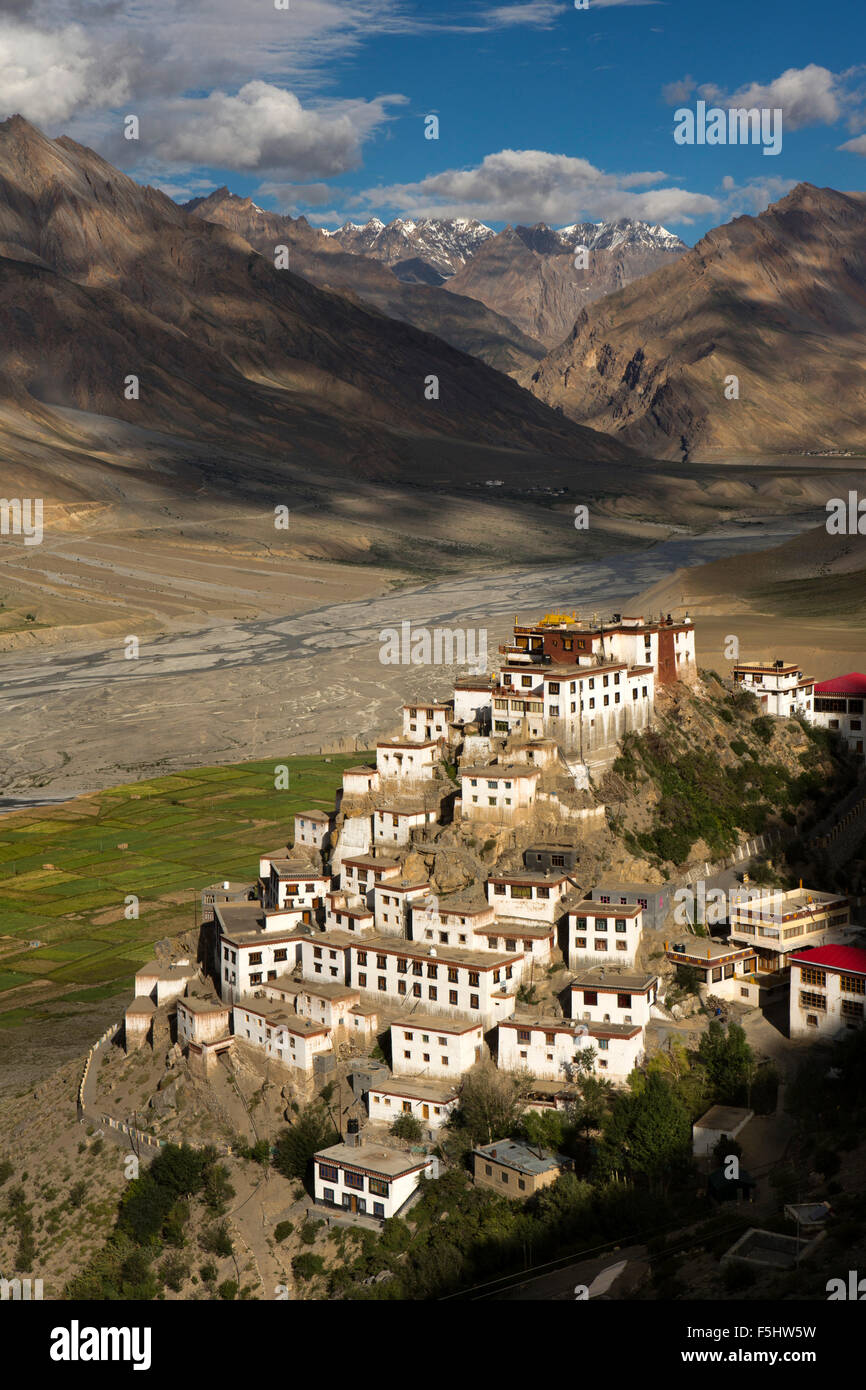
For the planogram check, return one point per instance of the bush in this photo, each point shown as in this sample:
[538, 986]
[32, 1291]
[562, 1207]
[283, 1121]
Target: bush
[228, 1289]
[309, 1231]
[174, 1272]
[283, 1230]
[312, 1130]
[763, 728]
[407, 1127]
[217, 1241]
[208, 1273]
[307, 1266]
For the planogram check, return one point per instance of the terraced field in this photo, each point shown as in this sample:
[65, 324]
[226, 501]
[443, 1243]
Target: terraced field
[67, 872]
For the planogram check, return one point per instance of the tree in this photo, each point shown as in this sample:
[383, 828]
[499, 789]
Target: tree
[295, 1147]
[648, 1134]
[407, 1126]
[728, 1061]
[491, 1102]
[180, 1168]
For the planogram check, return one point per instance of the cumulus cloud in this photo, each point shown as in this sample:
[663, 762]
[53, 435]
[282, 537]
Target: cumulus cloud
[261, 127]
[48, 76]
[807, 96]
[534, 185]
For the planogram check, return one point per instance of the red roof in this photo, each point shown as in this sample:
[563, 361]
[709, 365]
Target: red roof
[848, 958]
[852, 684]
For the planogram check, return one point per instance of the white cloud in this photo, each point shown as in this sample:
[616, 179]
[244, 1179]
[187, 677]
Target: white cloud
[807, 96]
[262, 127]
[529, 186]
[855, 146]
[46, 77]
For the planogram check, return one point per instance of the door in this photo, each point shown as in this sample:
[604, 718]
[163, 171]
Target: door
[425, 1111]
[353, 1203]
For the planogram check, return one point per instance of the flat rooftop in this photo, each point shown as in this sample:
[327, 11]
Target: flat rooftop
[459, 955]
[726, 1118]
[521, 1157]
[609, 977]
[416, 1088]
[390, 1163]
[432, 1023]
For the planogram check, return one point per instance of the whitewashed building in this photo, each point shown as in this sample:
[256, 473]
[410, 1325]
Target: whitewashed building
[598, 932]
[477, 984]
[550, 1048]
[473, 699]
[360, 780]
[775, 923]
[202, 1019]
[360, 873]
[285, 1036]
[164, 983]
[313, 829]
[837, 705]
[828, 991]
[348, 912]
[423, 723]
[450, 920]
[290, 884]
[604, 995]
[528, 893]
[326, 956]
[779, 685]
[393, 903]
[430, 1102]
[368, 1179]
[408, 760]
[394, 826]
[498, 792]
[427, 1045]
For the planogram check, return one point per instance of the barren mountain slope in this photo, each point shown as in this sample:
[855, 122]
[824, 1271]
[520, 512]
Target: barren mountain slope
[529, 275]
[777, 301]
[463, 322]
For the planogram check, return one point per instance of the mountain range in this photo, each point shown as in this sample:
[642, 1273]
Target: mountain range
[117, 302]
[753, 342]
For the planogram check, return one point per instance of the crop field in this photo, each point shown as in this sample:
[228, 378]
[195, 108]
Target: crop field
[66, 872]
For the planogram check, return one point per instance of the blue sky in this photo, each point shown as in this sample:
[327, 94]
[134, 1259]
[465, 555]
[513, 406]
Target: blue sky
[547, 113]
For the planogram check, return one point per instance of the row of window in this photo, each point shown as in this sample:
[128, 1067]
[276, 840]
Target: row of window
[600, 944]
[620, 924]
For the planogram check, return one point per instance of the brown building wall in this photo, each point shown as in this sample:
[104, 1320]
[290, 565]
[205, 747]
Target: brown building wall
[509, 1186]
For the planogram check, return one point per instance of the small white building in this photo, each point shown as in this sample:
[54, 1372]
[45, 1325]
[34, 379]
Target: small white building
[360, 873]
[293, 885]
[450, 920]
[392, 904]
[395, 826]
[473, 701]
[285, 1036]
[430, 1102]
[477, 984]
[163, 983]
[508, 934]
[498, 792]
[313, 829]
[719, 1122]
[528, 893]
[598, 932]
[326, 956]
[408, 760]
[368, 1179]
[551, 1047]
[423, 723]
[360, 781]
[428, 1045]
[202, 1019]
[348, 912]
[778, 685]
[726, 971]
[828, 991]
[605, 995]
[248, 952]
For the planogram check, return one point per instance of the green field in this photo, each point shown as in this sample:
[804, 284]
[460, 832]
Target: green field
[180, 834]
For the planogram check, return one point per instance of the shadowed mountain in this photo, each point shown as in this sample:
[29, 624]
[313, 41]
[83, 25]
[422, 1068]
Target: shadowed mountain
[413, 298]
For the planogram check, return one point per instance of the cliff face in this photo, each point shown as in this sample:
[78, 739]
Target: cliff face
[776, 301]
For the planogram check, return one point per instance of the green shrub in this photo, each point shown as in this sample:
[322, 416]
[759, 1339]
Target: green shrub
[283, 1230]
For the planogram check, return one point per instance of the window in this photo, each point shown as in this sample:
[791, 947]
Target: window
[362, 981]
[432, 971]
[852, 984]
[473, 977]
[473, 1001]
[809, 975]
[327, 1173]
[452, 996]
[407, 1107]
[504, 1177]
[383, 983]
[281, 954]
[432, 992]
[381, 962]
[328, 1194]
[521, 890]
[813, 1001]
[620, 924]
[603, 1044]
[488, 1170]
[417, 968]
[852, 1008]
[362, 957]
[355, 1180]
[426, 1056]
[580, 923]
[524, 1035]
[590, 996]
[623, 1001]
[407, 1054]
[444, 1061]
[402, 967]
